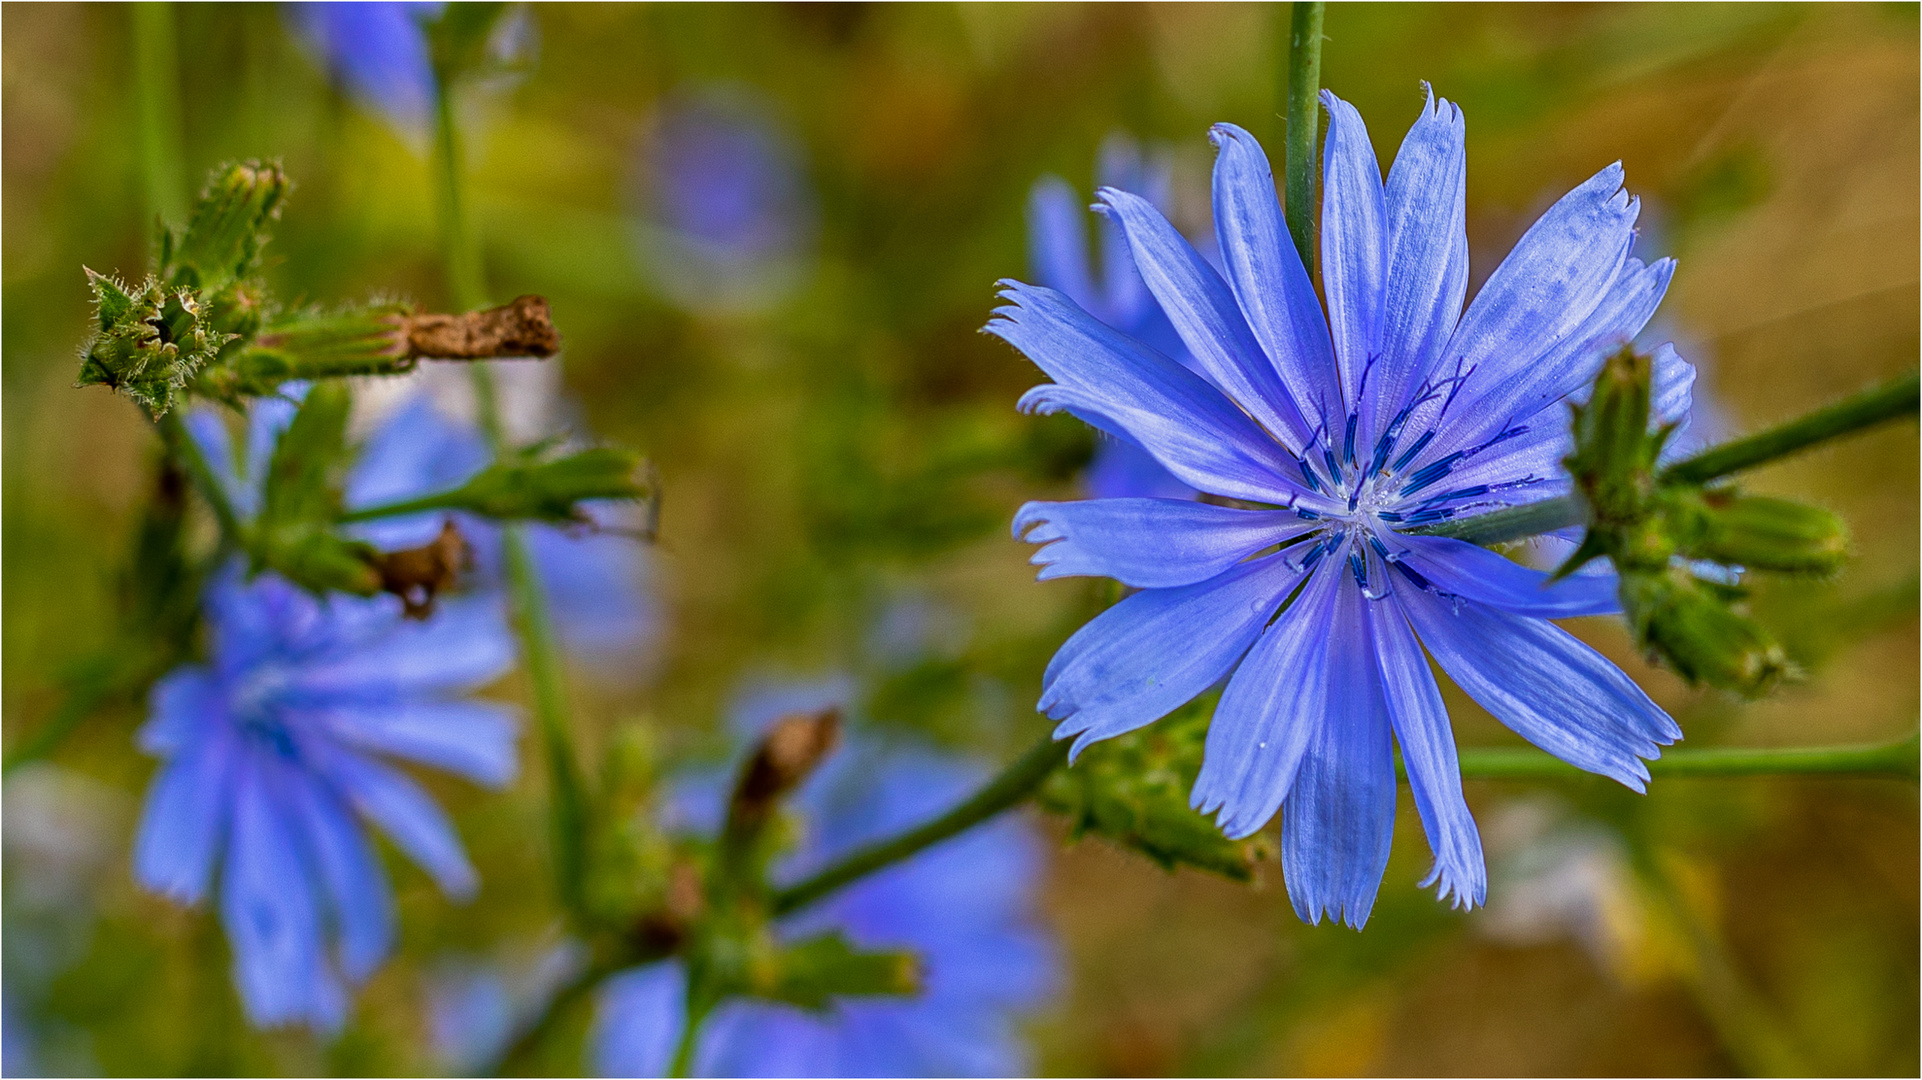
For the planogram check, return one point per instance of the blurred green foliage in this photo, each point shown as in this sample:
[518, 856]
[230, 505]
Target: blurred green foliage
[854, 448]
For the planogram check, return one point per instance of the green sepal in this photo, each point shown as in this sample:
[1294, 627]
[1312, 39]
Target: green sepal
[1133, 790]
[149, 343]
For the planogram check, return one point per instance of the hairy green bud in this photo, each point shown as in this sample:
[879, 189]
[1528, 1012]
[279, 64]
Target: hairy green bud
[1133, 790]
[149, 342]
[525, 487]
[231, 222]
[1761, 533]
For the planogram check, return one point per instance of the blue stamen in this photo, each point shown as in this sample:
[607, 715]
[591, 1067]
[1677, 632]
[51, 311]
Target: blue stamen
[1359, 568]
[1348, 440]
[1308, 474]
[1431, 473]
[1420, 445]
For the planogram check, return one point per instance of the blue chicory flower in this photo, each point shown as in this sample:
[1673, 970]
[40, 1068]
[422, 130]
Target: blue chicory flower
[1058, 251]
[1396, 409]
[377, 49]
[964, 907]
[726, 212]
[273, 763]
[598, 584]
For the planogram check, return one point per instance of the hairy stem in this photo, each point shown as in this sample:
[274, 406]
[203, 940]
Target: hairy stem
[1303, 171]
[1896, 760]
[1890, 401]
[1015, 783]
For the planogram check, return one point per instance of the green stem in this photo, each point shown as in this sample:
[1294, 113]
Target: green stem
[683, 1063]
[440, 500]
[156, 76]
[1303, 170]
[1015, 783]
[1890, 401]
[186, 451]
[1896, 760]
[567, 807]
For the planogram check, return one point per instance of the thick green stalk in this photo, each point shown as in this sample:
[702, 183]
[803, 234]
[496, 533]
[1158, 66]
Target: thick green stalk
[1897, 760]
[1303, 169]
[1015, 783]
[567, 805]
[1890, 401]
[157, 79]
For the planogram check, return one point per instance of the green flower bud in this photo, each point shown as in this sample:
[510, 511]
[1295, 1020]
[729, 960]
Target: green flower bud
[548, 490]
[1614, 457]
[230, 223]
[1763, 533]
[1134, 790]
[1685, 624]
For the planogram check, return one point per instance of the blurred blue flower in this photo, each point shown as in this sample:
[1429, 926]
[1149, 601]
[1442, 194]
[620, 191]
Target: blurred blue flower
[1396, 409]
[964, 907]
[273, 763]
[598, 584]
[725, 210]
[1115, 294]
[377, 50]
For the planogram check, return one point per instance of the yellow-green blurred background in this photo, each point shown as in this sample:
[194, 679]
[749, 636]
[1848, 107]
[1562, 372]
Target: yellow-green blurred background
[853, 446]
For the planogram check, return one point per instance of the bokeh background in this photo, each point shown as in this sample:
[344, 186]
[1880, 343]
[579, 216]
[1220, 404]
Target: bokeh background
[841, 457]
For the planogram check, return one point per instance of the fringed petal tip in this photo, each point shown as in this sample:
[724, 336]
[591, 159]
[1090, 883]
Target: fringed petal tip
[1461, 888]
[1311, 911]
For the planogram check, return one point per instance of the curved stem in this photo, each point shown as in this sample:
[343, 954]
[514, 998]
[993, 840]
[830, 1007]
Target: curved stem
[186, 451]
[1896, 760]
[1015, 783]
[1303, 170]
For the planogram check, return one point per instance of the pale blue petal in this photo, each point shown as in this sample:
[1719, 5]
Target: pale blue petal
[348, 869]
[185, 819]
[267, 419]
[1548, 687]
[599, 588]
[1672, 387]
[1269, 282]
[1148, 543]
[1148, 655]
[1173, 413]
[474, 739]
[1205, 314]
[637, 1023]
[1121, 469]
[1339, 816]
[183, 708]
[418, 450]
[206, 428]
[1428, 751]
[1426, 204]
[1476, 573]
[1058, 242]
[464, 645]
[406, 813]
[273, 923]
[1543, 293]
[1268, 713]
[1354, 246]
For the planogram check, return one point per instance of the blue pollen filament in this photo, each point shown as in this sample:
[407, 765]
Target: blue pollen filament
[1348, 440]
[1431, 473]
[1420, 445]
[1359, 567]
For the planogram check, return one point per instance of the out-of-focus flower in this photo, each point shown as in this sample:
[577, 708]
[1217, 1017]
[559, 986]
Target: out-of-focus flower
[1111, 290]
[725, 212]
[1566, 878]
[964, 907]
[378, 50]
[1395, 410]
[598, 583]
[273, 764]
[474, 1008]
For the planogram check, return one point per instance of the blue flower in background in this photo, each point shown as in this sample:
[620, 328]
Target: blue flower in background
[1396, 409]
[726, 212]
[1058, 250]
[273, 764]
[963, 907]
[377, 50]
[598, 584]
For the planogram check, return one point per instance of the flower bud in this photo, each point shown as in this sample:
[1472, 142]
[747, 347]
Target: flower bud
[1614, 456]
[1700, 635]
[811, 972]
[150, 342]
[1763, 533]
[550, 490]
